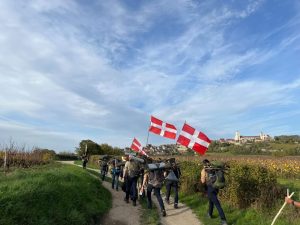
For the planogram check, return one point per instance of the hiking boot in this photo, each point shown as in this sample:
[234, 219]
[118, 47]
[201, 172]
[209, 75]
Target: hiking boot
[209, 216]
[224, 222]
[163, 213]
[126, 200]
[134, 203]
[175, 206]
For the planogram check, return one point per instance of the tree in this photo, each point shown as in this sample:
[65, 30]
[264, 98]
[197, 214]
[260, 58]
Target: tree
[88, 147]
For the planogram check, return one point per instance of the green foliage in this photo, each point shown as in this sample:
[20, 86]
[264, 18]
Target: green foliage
[251, 186]
[96, 149]
[251, 196]
[52, 194]
[190, 177]
[88, 147]
[287, 138]
[149, 216]
[246, 185]
[66, 156]
[281, 146]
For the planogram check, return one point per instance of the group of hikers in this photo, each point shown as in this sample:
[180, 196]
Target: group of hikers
[144, 176]
[141, 176]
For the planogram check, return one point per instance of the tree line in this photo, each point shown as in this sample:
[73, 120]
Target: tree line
[89, 147]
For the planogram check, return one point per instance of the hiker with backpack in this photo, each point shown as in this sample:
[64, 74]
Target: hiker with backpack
[172, 180]
[130, 176]
[213, 177]
[103, 168]
[84, 161]
[115, 173]
[153, 180]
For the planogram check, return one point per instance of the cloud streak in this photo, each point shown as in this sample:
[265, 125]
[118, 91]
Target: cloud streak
[70, 71]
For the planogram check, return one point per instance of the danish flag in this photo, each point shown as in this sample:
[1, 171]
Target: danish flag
[193, 139]
[137, 147]
[161, 128]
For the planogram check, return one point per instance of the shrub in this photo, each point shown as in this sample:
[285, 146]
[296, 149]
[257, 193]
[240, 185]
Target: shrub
[246, 185]
[251, 185]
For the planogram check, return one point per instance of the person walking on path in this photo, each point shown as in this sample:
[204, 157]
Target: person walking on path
[172, 180]
[115, 173]
[84, 161]
[103, 168]
[153, 180]
[130, 176]
[212, 193]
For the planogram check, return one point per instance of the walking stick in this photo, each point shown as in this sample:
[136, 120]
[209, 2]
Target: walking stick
[284, 204]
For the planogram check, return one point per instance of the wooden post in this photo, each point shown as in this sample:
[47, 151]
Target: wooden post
[5, 159]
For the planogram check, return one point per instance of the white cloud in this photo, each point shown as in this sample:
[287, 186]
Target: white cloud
[72, 71]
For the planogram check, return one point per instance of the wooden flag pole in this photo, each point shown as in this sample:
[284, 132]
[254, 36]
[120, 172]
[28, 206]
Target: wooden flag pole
[284, 204]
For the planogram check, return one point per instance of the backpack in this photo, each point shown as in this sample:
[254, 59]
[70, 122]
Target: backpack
[133, 168]
[156, 178]
[215, 174]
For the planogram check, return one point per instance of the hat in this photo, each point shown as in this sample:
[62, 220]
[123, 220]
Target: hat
[205, 161]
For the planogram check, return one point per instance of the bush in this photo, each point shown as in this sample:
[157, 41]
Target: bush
[246, 185]
[249, 185]
[66, 156]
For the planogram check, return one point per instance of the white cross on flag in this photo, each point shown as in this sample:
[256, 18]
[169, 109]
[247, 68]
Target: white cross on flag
[193, 139]
[161, 128]
[137, 147]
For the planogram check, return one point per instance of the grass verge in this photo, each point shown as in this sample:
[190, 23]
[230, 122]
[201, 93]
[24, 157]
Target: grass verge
[52, 194]
[199, 204]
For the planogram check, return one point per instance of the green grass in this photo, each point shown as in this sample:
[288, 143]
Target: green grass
[199, 205]
[89, 165]
[149, 216]
[52, 194]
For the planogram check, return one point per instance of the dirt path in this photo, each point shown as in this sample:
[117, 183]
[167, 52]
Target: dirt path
[122, 213]
[182, 215]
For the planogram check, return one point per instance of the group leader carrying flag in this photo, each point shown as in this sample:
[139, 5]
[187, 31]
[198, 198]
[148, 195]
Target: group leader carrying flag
[137, 147]
[161, 128]
[193, 139]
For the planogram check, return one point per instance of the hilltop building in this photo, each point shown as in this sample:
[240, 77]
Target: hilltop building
[261, 137]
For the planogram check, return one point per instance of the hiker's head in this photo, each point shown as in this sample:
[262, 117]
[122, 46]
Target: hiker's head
[205, 162]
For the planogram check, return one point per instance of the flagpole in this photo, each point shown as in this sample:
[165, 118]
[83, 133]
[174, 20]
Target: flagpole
[148, 134]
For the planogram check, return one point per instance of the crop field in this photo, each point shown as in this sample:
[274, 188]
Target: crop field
[283, 167]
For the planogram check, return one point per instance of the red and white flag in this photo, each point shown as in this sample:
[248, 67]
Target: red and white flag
[161, 128]
[137, 147]
[193, 139]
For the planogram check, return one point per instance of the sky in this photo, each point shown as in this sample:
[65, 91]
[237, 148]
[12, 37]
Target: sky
[86, 69]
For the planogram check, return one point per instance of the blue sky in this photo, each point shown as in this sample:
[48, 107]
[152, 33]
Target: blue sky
[73, 70]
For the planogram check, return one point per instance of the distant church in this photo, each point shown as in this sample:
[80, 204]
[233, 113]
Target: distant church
[262, 137]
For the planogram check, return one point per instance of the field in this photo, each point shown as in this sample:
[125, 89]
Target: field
[52, 194]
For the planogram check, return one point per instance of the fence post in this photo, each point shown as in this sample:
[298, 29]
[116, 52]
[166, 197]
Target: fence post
[5, 159]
